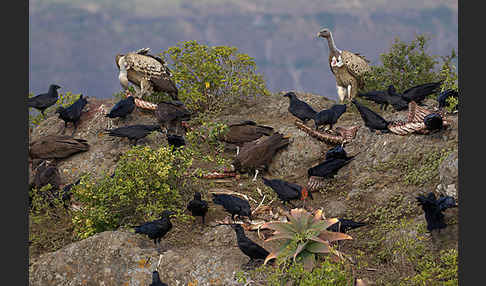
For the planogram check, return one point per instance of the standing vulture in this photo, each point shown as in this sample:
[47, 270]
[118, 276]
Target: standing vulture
[146, 72]
[347, 67]
[171, 114]
[245, 131]
[258, 154]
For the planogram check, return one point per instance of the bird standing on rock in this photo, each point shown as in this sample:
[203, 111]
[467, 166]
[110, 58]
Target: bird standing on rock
[45, 100]
[198, 206]
[299, 108]
[433, 209]
[286, 191]
[156, 229]
[329, 116]
[371, 119]
[247, 246]
[348, 68]
[243, 132]
[234, 205]
[134, 132]
[72, 113]
[122, 108]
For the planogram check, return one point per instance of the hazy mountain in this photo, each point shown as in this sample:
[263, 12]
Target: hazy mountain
[74, 44]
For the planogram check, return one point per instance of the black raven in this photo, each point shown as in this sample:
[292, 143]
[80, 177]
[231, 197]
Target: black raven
[72, 113]
[122, 108]
[156, 229]
[176, 140]
[299, 108]
[198, 207]
[377, 96]
[328, 168]
[371, 120]
[433, 209]
[66, 192]
[395, 99]
[234, 205]
[419, 92]
[171, 114]
[343, 225]
[433, 121]
[329, 116]
[337, 152]
[443, 96]
[42, 101]
[248, 247]
[134, 132]
[287, 191]
[156, 280]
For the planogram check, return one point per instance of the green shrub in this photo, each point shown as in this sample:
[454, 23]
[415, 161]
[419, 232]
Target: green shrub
[431, 271]
[406, 65]
[146, 182]
[65, 99]
[209, 78]
[50, 223]
[449, 74]
[326, 273]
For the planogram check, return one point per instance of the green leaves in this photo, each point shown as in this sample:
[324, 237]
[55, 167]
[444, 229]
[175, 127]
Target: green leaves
[210, 78]
[303, 237]
[146, 182]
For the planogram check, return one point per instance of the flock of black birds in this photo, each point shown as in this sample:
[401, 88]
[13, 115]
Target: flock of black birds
[256, 145]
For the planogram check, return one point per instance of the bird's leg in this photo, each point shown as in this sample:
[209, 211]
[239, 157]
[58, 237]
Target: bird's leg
[349, 91]
[237, 150]
[341, 91]
[75, 124]
[256, 174]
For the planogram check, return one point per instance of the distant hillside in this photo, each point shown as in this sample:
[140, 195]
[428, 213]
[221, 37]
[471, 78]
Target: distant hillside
[74, 44]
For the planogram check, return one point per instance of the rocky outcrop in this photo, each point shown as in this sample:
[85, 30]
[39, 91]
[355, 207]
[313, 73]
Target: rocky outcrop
[210, 256]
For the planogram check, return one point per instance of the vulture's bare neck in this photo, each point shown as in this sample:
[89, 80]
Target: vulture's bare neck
[333, 51]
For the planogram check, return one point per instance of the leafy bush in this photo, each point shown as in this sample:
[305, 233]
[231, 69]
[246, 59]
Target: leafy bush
[145, 183]
[50, 225]
[442, 271]
[325, 274]
[209, 78]
[303, 237]
[407, 65]
[449, 74]
[65, 99]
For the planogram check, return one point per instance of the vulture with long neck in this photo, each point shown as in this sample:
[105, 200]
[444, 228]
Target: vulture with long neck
[245, 131]
[146, 72]
[348, 68]
[258, 154]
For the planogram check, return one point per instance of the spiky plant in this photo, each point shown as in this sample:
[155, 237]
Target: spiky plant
[303, 237]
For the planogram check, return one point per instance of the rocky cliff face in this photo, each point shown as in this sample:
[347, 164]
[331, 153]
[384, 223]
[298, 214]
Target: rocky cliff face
[386, 166]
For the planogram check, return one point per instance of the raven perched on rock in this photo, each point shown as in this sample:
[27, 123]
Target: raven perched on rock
[419, 92]
[287, 191]
[122, 108]
[43, 101]
[248, 247]
[234, 205]
[337, 152]
[198, 207]
[377, 96]
[329, 116]
[134, 132]
[328, 168]
[343, 225]
[176, 140]
[156, 280]
[72, 113]
[433, 209]
[171, 114]
[158, 228]
[299, 108]
[371, 120]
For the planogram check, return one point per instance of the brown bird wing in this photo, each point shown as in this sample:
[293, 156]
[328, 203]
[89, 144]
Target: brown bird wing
[355, 64]
[56, 147]
[260, 152]
[239, 134]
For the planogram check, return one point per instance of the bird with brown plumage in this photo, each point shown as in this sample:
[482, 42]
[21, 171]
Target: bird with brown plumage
[56, 147]
[258, 154]
[243, 132]
[170, 115]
